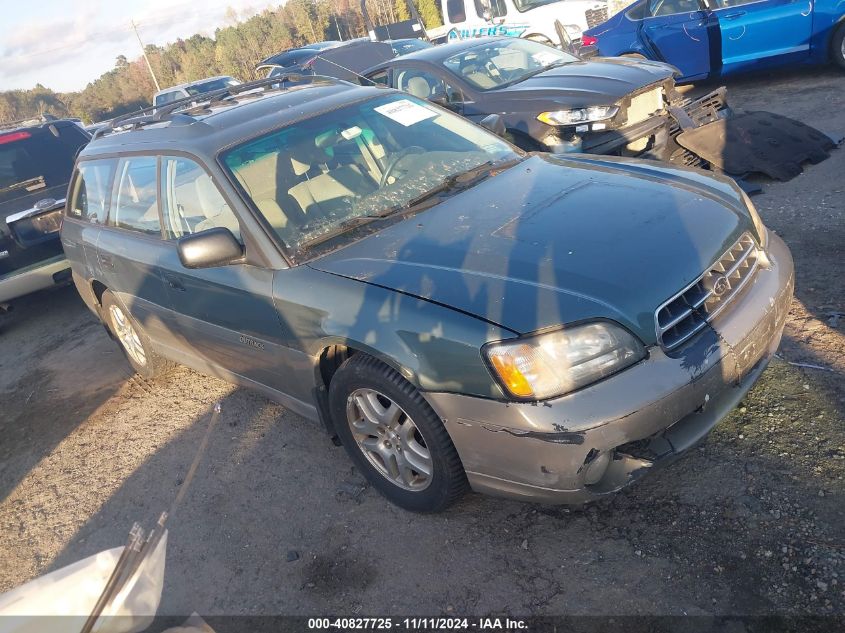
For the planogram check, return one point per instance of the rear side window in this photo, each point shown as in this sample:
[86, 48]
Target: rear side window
[135, 197]
[379, 78]
[168, 97]
[456, 10]
[37, 159]
[191, 201]
[89, 200]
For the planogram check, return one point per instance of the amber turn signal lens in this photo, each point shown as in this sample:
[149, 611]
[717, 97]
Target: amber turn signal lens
[511, 376]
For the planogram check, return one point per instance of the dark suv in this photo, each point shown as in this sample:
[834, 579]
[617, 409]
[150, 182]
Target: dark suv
[458, 312]
[36, 161]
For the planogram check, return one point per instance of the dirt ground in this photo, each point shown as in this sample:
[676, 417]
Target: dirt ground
[278, 521]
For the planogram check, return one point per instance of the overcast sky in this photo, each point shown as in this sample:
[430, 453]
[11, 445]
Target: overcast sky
[64, 44]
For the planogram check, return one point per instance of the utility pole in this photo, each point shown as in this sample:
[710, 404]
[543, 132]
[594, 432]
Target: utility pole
[144, 53]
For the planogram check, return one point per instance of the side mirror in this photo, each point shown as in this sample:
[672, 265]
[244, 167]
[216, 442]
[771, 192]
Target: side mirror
[210, 249]
[494, 123]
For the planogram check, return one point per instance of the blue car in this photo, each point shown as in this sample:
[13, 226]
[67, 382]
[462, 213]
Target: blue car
[713, 38]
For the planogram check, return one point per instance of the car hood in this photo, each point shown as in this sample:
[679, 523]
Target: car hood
[585, 83]
[554, 241]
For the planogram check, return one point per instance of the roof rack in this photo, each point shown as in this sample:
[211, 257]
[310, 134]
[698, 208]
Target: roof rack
[183, 107]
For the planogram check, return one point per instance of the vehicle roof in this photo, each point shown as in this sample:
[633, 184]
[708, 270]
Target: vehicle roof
[32, 124]
[205, 129]
[192, 83]
[295, 54]
[436, 54]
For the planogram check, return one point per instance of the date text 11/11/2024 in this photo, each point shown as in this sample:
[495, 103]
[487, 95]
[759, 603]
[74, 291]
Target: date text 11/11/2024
[418, 624]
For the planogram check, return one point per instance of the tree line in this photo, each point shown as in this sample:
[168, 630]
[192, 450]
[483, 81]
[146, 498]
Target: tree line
[234, 50]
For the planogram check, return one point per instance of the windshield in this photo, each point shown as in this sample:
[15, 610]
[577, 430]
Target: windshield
[504, 62]
[527, 5]
[314, 178]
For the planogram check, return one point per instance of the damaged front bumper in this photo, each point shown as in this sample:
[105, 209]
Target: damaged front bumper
[654, 137]
[597, 440]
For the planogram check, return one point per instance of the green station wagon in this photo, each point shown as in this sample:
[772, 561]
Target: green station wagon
[458, 313]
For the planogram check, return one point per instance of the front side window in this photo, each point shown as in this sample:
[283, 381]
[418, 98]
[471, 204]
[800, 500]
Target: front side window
[89, 200]
[191, 202]
[324, 176]
[526, 5]
[456, 10]
[135, 196]
[505, 62]
[496, 8]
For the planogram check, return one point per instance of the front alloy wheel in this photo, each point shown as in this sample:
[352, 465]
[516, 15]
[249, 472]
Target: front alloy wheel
[389, 439]
[394, 437]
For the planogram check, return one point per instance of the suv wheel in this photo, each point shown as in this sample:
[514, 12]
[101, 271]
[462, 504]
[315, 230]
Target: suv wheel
[837, 46]
[133, 341]
[394, 437]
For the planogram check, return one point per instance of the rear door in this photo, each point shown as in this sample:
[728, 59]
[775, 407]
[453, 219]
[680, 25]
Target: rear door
[226, 314]
[130, 248]
[763, 33]
[681, 33]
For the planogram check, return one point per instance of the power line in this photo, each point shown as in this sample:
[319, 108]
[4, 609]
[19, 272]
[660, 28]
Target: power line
[144, 53]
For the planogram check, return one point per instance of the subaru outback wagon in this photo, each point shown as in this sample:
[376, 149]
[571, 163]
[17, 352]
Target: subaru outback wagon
[458, 313]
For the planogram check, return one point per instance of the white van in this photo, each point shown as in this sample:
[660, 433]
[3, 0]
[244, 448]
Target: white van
[531, 19]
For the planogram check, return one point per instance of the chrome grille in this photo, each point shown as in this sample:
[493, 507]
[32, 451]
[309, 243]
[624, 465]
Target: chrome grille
[686, 314]
[595, 16]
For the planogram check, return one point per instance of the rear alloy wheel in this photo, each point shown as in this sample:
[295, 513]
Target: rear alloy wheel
[837, 46]
[133, 341]
[394, 437]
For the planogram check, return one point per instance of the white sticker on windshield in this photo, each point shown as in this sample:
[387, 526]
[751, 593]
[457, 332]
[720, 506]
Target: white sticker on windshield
[405, 112]
[544, 58]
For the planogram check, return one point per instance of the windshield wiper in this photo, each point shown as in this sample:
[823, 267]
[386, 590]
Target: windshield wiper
[537, 71]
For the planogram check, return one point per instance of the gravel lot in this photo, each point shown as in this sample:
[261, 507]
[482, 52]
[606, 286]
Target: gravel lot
[751, 522]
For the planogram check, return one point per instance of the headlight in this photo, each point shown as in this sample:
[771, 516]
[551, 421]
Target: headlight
[762, 232]
[555, 363]
[578, 115]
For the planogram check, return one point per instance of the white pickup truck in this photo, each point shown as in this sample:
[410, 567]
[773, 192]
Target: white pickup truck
[531, 19]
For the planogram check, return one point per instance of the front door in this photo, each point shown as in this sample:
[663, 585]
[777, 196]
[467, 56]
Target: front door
[762, 33]
[680, 32]
[225, 314]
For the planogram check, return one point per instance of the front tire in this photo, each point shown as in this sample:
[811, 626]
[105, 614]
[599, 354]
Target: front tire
[837, 46]
[133, 341]
[394, 437]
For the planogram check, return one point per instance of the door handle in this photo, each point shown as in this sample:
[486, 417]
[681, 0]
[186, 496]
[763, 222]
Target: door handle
[106, 260]
[174, 283]
[734, 15]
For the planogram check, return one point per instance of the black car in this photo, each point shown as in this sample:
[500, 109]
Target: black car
[550, 100]
[343, 60]
[36, 160]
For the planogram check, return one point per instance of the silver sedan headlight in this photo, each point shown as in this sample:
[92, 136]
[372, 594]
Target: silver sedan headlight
[554, 363]
[578, 115]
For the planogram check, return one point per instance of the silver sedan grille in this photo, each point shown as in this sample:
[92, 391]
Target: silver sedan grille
[686, 314]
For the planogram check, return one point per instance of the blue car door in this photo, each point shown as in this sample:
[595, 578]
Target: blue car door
[763, 33]
[680, 32]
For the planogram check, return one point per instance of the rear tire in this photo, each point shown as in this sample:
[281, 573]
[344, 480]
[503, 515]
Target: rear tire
[837, 46]
[394, 437]
[133, 341]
